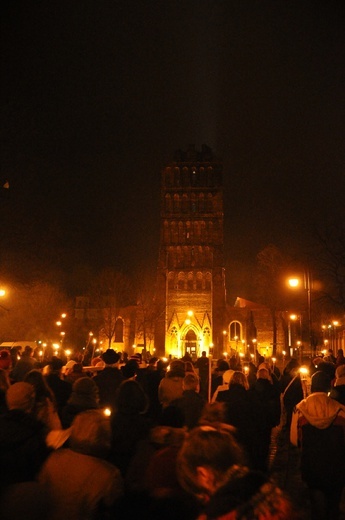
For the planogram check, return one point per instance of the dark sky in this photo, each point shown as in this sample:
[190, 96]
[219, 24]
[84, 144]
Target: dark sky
[97, 95]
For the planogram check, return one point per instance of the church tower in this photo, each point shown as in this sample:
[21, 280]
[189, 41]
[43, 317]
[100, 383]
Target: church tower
[190, 292]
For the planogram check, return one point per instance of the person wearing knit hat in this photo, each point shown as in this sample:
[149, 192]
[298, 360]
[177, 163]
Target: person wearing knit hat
[84, 396]
[20, 396]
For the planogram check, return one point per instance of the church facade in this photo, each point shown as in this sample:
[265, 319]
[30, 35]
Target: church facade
[191, 289]
[191, 313]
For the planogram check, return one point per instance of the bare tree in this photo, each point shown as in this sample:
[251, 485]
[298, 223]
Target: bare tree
[111, 291]
[147, 312]
[32, 311]
[330, 241]
[269, 282]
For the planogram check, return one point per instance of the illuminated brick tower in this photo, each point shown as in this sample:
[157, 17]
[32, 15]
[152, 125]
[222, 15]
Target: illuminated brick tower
[190, 293]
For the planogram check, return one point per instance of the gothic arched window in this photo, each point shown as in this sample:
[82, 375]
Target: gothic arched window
[235, 331]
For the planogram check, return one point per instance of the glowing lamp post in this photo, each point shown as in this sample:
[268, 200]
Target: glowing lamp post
[2, 294]
[335, 324]
[295, 283]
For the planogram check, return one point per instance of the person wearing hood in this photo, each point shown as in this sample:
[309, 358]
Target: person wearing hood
[318, 429]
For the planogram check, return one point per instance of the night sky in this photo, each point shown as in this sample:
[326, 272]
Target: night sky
[97, 96]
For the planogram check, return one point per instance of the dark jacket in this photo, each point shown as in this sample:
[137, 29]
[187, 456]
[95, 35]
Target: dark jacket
[76, 405]
[60, 388]
[246, 413]
[269, 396]
[191, 405]
[249, 496]
[108, 380]
[338, 393]
[22, 447]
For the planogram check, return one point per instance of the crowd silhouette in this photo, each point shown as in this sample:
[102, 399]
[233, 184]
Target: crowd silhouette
[123, 438]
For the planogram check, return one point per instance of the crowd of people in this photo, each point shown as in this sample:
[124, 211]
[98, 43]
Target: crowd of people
[166, 439]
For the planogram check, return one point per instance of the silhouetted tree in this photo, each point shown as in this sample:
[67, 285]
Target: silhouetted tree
[269, 283]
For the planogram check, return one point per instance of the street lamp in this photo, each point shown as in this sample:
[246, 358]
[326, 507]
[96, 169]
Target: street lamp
[2, 294]
[295, 283]
[335, 324]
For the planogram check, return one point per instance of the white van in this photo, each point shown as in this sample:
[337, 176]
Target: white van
[23, 344]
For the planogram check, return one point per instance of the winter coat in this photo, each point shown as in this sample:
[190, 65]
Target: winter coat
[46, 412]
[22, 447]
[144, 472]
[108, 381]
[269, 396]
[80, 486]
[318, 428]
[60, 388]
[76, 404]
[191, 405]
[170, 388]
[338, 393]
[244, 411]
[248, 497]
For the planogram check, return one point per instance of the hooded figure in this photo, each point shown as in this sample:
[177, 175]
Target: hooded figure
[318, 429]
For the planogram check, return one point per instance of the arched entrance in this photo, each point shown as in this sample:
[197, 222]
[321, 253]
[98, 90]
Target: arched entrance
[190, 343]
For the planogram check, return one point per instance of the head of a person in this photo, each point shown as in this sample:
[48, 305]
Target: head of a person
[36, 379]
[153, 362]
[5, 359]
[90, 433]
[222, 365]
[131, 368]
[213, 413]
[263, 373]
[84, 389]
[292, 367]
[131, 398]
[176, 369]
[55, 365]
[67, 369]
[209, 458]
[239, 378]
[188, 366]
[340, 376]
[233, 363]
[20, 396]
[321, 382]
[110, 357]
[191, 382]
[28, 351]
